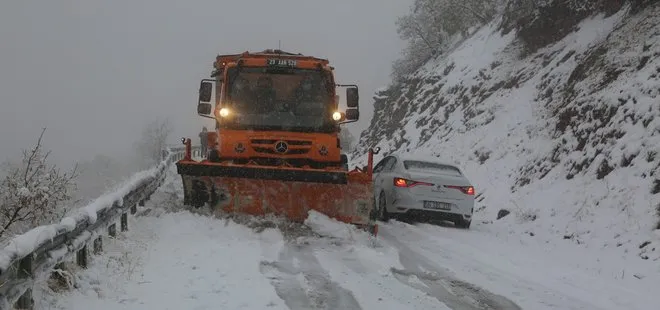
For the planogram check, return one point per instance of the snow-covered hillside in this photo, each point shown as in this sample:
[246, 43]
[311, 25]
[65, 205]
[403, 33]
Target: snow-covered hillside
[564, 133]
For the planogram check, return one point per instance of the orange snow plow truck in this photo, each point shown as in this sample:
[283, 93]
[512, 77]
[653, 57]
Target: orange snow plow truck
[276, 148]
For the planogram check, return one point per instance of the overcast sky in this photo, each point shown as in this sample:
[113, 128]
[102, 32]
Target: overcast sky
[94, 72]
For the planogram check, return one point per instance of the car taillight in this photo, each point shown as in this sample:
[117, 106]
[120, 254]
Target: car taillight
[401, 182]
[468, 190]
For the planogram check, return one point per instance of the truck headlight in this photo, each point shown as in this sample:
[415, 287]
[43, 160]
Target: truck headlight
[224, 112]
[337, 116]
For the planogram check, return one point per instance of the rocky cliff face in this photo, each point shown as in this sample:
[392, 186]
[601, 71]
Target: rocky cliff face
[554, 115]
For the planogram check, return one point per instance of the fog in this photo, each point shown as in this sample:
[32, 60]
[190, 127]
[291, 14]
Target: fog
[94, 72]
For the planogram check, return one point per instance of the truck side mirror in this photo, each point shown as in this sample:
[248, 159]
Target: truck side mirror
[205, 88]
[204, 108]
[352, 97]
[352, 114]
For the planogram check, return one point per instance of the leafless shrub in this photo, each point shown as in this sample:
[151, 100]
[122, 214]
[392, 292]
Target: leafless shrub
[32, 192]
[431, 25]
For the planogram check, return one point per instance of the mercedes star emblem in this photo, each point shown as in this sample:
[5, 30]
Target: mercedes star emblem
[239, 148]
[281, 147]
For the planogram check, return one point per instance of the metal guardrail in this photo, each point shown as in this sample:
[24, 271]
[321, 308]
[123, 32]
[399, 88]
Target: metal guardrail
[39, 250]
[179, 152]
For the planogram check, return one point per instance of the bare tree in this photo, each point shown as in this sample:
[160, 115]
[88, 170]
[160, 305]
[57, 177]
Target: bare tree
[32, 192]
[430, 26]
[413, 57]
[152, 141]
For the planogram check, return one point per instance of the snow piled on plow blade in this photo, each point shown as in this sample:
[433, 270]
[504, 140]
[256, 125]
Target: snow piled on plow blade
[288, 192]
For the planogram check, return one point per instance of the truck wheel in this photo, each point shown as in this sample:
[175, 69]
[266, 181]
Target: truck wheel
[344, 162]
[199, 194]
[214, 156]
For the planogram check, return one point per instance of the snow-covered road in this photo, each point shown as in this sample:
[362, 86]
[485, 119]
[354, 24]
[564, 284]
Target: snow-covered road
[532, 277]
[181, 260]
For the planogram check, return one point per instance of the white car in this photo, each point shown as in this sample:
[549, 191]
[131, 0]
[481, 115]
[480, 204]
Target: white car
[422, 189]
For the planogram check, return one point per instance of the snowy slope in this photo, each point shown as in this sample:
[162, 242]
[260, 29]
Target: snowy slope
[181, 260]
[567, 137]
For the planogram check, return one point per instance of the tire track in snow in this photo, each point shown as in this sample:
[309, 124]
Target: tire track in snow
[300, 280]
[464, 254]
[456, 294]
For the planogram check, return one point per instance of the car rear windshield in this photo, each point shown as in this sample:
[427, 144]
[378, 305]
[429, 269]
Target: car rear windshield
[424, 165]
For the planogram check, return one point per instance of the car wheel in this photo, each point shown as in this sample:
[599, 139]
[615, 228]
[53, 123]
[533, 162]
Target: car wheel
[382, 207]
[463, 224]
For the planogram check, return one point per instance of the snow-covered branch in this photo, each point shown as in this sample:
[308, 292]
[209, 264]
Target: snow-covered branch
[430, 26]
[32, 192]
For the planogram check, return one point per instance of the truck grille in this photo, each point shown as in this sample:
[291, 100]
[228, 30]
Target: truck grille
[267, 150]
[267, 146]
[273, 141]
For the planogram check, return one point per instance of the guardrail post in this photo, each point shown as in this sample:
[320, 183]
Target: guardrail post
[25, 302]
[112, 230]
[98, 245]
[25, 271]
[25, 267]
[124, 221]
[81, 257]
[58, 277]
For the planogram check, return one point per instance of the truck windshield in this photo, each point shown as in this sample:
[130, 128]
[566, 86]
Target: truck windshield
[288, 99]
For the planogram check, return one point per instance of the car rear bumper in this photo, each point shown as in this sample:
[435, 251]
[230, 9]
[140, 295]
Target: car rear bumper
[429, 216]
[405, 204]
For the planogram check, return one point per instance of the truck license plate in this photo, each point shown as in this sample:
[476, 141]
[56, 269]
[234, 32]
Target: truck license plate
[436, 205]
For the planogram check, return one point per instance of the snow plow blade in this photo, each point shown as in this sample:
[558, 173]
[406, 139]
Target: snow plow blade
[286, 191]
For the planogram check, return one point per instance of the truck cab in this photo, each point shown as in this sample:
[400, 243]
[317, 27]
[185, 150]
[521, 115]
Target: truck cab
[275, 108]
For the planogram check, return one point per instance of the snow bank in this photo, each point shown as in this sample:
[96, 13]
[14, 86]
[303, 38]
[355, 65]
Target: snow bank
[178, 261]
